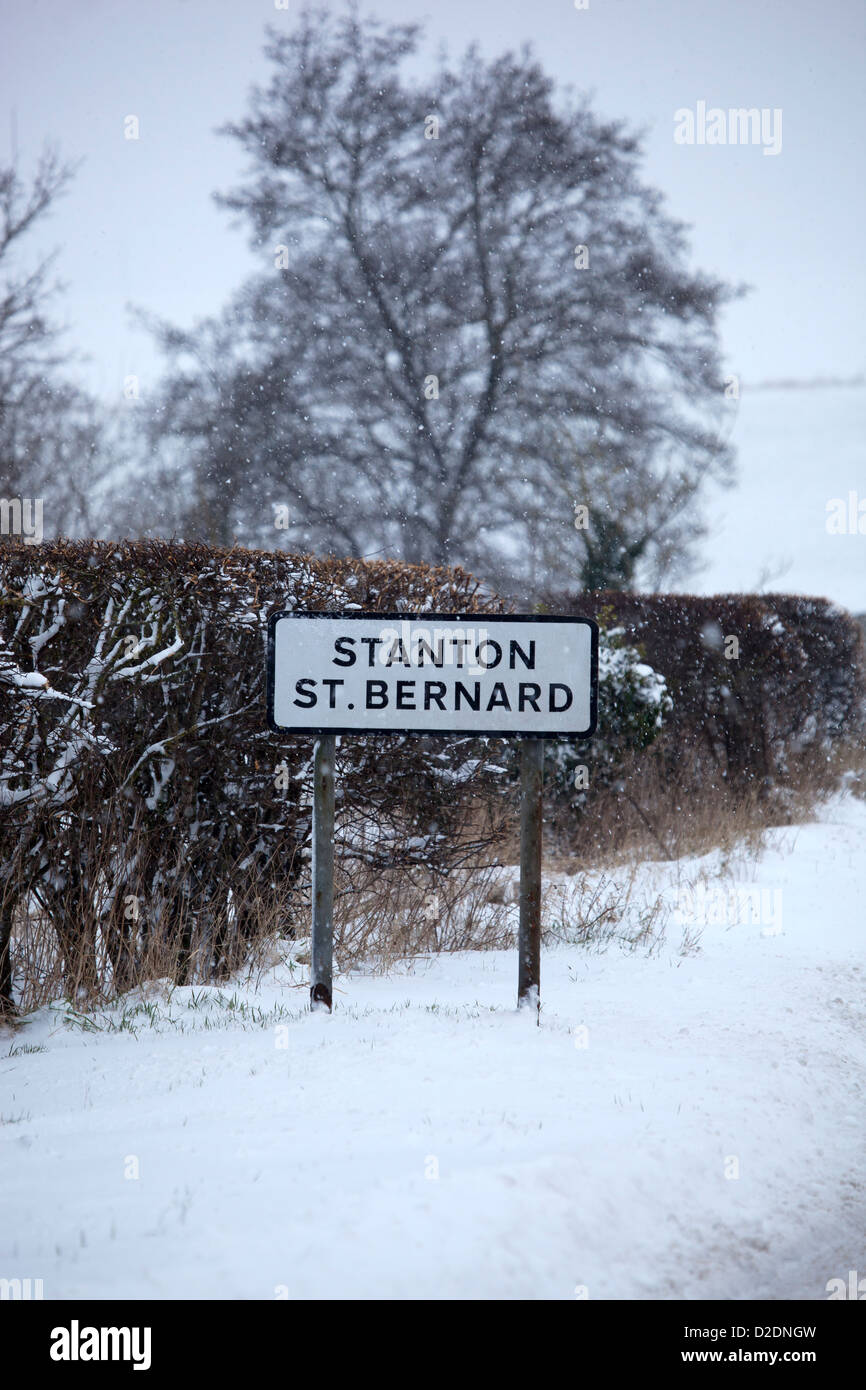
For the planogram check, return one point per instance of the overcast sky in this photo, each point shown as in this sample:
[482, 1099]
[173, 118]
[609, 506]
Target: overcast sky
[140, 227]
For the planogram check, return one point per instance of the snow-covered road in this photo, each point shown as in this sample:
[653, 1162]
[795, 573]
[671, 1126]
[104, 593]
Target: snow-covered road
[681, 1125]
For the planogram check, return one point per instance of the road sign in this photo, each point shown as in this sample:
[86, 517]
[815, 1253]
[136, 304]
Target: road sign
[432, 673]
[527, 677]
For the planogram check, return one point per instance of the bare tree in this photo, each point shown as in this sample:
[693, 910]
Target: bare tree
[51, 433]
[456, 275]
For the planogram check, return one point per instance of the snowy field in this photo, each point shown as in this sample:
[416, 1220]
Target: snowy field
[687, 1122]
[796, 450]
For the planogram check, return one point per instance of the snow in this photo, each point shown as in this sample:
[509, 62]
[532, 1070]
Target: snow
[427, 1140]
[156, 660]
[26, 680]
[797, 449]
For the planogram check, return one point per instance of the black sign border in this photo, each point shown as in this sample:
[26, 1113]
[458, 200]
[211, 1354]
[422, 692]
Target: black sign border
[346, 615]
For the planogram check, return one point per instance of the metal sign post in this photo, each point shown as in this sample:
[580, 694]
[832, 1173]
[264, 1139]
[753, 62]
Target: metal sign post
[498, 675]
[322, 946]
[529, 938]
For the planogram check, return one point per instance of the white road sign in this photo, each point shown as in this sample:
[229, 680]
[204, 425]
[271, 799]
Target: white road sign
[432, 673]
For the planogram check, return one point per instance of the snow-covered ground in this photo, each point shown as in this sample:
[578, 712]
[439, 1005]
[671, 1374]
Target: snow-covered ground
[685, 1123]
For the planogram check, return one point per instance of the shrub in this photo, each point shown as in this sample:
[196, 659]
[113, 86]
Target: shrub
[796, 685]
[633, 702]
[146, 806]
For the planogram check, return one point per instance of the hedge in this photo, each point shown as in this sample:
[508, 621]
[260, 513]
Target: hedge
[141, 791]
[753, 678]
